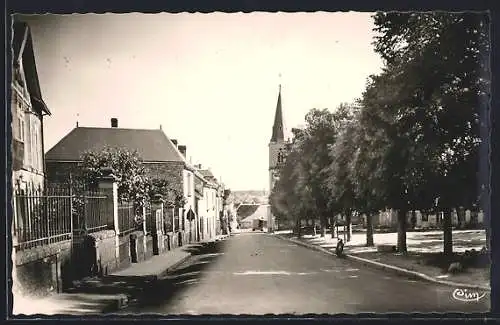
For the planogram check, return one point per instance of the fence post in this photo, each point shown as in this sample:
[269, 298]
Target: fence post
[144, 221]
[157, 214]
[109, 187]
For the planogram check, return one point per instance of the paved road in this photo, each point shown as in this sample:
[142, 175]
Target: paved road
[261, 274]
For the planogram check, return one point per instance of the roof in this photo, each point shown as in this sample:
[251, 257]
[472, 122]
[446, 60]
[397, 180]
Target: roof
[206, 173]
[251, 212]
[20, 31]
[278, 132]
[151, 145]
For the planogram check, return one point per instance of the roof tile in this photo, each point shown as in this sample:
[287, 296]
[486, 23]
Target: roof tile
[151, 145]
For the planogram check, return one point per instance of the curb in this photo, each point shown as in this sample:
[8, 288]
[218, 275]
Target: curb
[395, 269]
[120, 302]
[172, 267]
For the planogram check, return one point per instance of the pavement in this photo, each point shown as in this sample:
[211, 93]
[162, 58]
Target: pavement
[108, 294]
[259, 274]
[154, 268]
[431, 274]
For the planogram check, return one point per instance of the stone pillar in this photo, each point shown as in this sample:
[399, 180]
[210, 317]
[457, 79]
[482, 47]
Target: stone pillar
[109, 187]
[144, 231]
[157, 233]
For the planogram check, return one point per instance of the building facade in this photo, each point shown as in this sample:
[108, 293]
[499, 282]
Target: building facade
[162, 158]
[28, 110]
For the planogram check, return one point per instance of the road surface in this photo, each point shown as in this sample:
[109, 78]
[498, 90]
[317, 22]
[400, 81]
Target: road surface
[257, 274]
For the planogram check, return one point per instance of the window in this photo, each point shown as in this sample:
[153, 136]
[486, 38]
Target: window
[20, 127]
[33, 149]
[189, 187]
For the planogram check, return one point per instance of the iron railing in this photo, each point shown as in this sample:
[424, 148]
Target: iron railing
[45, 216]
[168, 215]
[126, 217]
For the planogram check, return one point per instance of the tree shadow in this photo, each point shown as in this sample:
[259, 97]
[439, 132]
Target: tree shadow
[163, 291]
[149, 291]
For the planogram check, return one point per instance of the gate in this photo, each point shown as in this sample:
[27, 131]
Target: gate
[89, 214]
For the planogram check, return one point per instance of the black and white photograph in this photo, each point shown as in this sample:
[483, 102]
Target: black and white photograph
[260, 163]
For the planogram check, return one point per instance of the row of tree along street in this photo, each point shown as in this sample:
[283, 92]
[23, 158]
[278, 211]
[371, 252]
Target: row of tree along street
[415, 140]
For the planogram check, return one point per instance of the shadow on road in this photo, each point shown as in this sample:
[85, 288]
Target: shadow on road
[146, 291]
[162, 291]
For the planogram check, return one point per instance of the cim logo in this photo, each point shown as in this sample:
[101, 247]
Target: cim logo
[467, 296]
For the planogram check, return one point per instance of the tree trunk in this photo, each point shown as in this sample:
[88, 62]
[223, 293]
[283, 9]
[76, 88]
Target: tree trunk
[298, 227]
[333, 227]
[323, 226]
[369, 230]
[413, 219]
[461, 218]
[348, 221]
[447, 233]
[401, 247]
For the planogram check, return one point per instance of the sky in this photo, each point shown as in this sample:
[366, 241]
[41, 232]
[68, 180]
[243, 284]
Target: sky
[210, 80]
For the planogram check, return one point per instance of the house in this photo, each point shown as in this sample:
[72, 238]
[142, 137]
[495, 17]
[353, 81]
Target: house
[210, 207]
[161, 156]
[247, 213]
[28, 110]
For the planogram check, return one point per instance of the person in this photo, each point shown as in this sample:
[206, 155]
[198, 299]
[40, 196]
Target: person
[339, 250]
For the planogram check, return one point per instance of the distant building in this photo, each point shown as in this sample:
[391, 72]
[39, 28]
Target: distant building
[247, 213]
[209, 202]
[28, 110]
[277, 154]
[162, 157]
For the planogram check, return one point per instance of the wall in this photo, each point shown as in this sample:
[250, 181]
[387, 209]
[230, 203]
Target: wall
[59, 172]
[42, 270]
[172, 171]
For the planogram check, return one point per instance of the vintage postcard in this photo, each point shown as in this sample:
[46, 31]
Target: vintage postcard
[250, 163]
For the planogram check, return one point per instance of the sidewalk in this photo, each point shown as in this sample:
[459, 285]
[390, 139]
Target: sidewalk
[110, 293]
[422, 261]
[154, 268]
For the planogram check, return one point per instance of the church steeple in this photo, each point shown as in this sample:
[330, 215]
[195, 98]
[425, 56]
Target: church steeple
[278, 132]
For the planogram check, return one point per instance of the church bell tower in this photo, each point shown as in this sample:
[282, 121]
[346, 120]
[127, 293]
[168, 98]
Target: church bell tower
[276, 154]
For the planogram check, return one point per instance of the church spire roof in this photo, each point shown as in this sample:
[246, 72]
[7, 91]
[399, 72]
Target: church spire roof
[278, 132]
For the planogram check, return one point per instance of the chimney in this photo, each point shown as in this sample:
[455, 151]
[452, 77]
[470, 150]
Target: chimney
[174, 142]
[199, 166]
[114, 122]
[182, 149]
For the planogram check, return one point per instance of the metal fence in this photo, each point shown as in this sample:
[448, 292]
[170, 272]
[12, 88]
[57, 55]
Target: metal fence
[150, 218]
[168, 215]
[177, 222]
[126, 217]
[95, 211]
[44, 216]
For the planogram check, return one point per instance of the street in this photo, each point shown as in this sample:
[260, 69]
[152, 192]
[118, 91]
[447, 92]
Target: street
[257, 274]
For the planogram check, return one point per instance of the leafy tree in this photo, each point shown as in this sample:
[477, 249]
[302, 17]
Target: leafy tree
[285, 197]
[125, 165]
[319, 135]
[339, 182]
[443, 59]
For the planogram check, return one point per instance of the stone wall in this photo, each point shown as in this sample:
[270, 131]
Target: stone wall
[58, 172]
[42, 270]
[172, 171]
[105, 244]
[124, 260]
